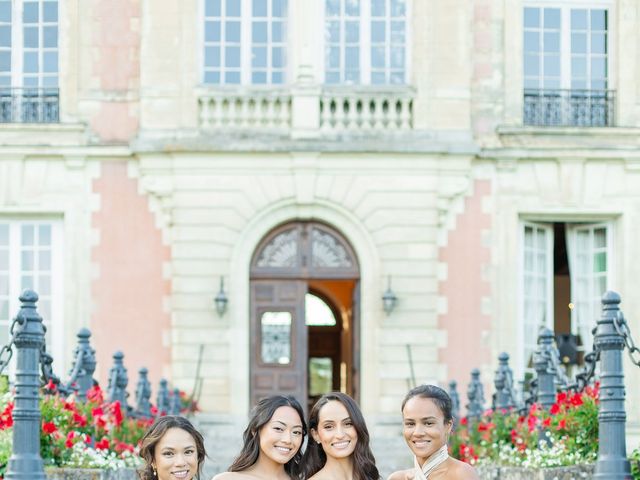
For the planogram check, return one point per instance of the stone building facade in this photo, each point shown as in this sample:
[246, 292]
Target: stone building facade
[480, 159]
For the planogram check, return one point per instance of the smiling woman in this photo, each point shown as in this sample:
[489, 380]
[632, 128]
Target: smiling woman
[340, 447]
[272, 442]
[172, 449]
[427, 423]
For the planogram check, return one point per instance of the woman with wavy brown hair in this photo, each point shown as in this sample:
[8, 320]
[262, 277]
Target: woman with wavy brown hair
[171, 449]
[339, 447]
[272, 442]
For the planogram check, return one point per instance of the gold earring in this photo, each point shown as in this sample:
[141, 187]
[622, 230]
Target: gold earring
[155, 474]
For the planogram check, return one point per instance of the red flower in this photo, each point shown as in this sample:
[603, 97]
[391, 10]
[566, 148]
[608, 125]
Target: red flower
[103, 444]
[546, 422]
[6, 417]
[562, 424]
[69, 441]
[94, 394]
[576, 400]
[532, 421]
[79, 420]
[562, 397]
[555, 408]
[117, 413]
[50, 386]
[463, 420]
[49, 427]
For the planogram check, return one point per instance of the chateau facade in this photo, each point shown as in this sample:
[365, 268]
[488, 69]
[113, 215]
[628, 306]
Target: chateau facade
[475, 163]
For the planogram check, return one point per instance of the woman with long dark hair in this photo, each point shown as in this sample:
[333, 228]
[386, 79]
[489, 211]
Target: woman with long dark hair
[171, 448]
[272, 442]
[427, 424]
[339, 445]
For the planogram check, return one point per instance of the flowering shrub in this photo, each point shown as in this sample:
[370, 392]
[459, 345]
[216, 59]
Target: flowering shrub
[565, 435]
[635, 463]
[91, 434]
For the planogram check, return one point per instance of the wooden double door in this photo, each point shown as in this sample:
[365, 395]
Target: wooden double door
[304, 314]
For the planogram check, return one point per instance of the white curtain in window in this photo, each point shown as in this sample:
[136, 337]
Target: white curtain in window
[588, 248]
[537, 287]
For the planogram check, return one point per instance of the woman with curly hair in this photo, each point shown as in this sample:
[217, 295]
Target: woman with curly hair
[171, 449]
[272, 442]
[339, 447]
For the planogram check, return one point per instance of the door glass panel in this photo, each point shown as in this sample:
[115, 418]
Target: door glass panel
[320, 375]
[317, 312]
[275, 328]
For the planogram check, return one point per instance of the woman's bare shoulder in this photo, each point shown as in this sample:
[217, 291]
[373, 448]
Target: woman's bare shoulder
[230, 476]
[462, 471]
[402, 475]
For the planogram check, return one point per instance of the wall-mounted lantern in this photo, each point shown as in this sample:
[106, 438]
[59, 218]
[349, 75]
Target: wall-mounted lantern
[389, 299]
[221, 299]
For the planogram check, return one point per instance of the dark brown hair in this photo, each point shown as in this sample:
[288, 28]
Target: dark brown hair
[261, 415]
[364, 463]
[155, 433]
[437, 396]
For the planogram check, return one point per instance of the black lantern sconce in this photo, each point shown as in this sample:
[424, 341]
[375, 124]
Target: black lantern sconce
[389, 299]
[221, 299]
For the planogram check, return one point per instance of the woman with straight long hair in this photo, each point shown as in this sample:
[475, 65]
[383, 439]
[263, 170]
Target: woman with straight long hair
[272, 442]
[338, 447]
[427, 424]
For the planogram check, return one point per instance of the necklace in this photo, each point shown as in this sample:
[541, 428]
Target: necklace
[430, 465]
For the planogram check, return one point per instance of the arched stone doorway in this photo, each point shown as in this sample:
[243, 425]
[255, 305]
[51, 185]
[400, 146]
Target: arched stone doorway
[304, 313]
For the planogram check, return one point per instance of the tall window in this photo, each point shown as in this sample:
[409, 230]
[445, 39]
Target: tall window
[245, 42]
[28, 60]
[566, 64]
[565, 270]
[29, 258]
[365, 42]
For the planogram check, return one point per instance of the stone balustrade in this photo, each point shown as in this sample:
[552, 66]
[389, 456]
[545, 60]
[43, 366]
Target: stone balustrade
[326, 109]
[240, 108]
[365, 108]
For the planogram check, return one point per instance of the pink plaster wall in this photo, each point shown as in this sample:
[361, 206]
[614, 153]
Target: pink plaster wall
[129, 290]
[116, 43]
[466, 258]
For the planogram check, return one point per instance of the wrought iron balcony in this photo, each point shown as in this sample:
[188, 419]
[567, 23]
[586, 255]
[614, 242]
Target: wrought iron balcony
[29, 105]
[569, 108]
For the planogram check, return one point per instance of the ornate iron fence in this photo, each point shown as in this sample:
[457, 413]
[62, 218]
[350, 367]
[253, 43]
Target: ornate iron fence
[29, 105]
[34, 371]
[611, 337]
[569, 108]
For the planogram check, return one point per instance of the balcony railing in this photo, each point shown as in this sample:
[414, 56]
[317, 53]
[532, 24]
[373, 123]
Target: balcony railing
[29, 105]
[245, 109]
[323, 110]
[366, 109]
[569, 108]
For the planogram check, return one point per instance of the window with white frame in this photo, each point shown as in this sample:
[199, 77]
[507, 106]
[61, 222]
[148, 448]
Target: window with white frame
[566, 46]
[30, 258]
[366, 42]
[29, 43]
[245, 42]
[565, 270]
